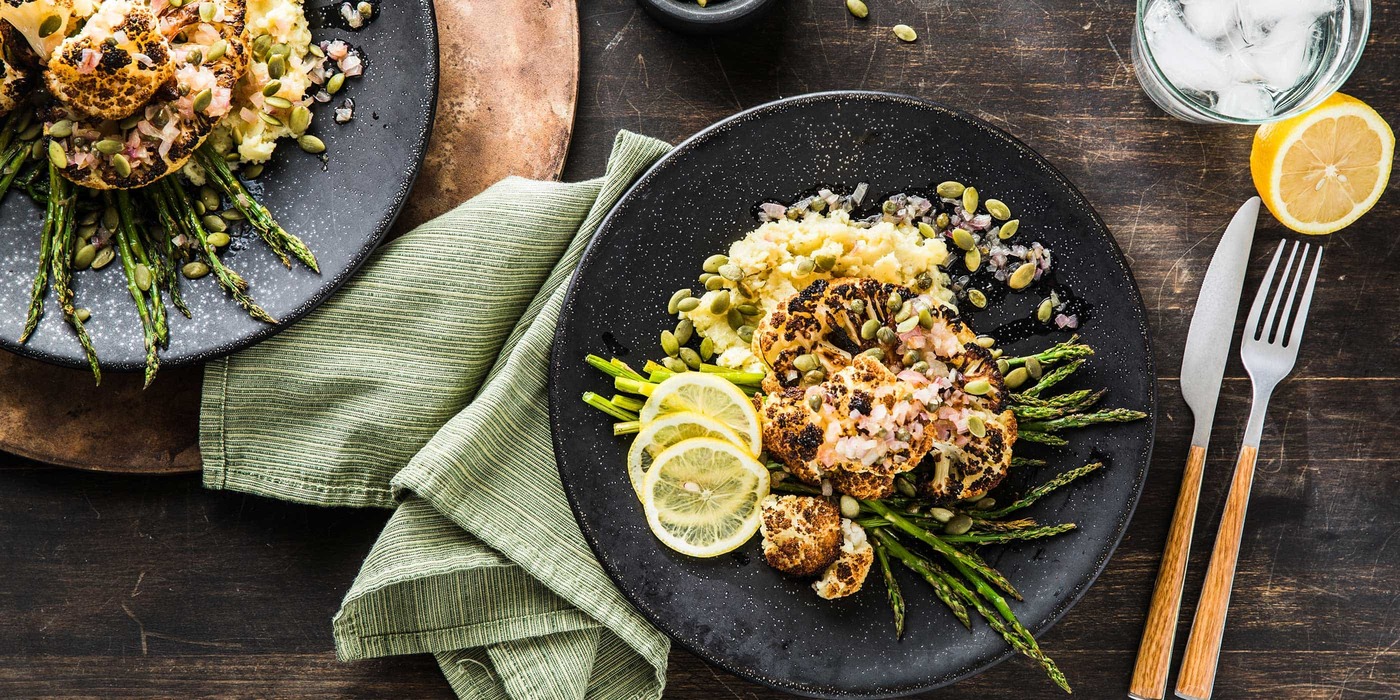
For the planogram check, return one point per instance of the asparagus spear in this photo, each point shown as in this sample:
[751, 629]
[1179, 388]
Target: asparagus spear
[261, 219]
[1053, 377]
[61, 198]
[926, 570]
[608, 407]
[949, 552]
[1042, 438]
[1080, 420]
[892, 592]
[169, 265]
[11, 162]
[174, 204]
[1068, 350]
[134, 237]
[124, 234]
[1026, 462]
[1040, 491]
[40, 286]
[1001, 525]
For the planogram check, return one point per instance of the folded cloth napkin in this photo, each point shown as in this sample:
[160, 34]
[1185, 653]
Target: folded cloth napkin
[421, 386]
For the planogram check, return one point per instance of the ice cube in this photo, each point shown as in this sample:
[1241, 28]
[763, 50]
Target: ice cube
[1258, 17]
[1245, 102]
[1279, 57]
[1210, 19]
[1188, 61]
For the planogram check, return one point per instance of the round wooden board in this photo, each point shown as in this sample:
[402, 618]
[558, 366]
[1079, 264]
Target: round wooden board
[509, 83]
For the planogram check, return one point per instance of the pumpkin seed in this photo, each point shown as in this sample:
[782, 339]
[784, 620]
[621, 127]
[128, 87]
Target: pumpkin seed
[252, 172]
[746, 333]
[334, 83]
[977, 387]
[311, 144]
[57, 156]
[972, 259]
[1033, 368]
[688, 304]
[121, 165]
[905, 33]
[202, 100]
[748, 309]
[875, 353]
[996, 352]
[673, 306]
[1017, 377]
[816, 376]
[31, 132]
[902, 485]
[110, 218]
[814, 401]
[104, 258]
[271, 88]
[951, 189]
[959, 525]
[215, 224]
[82, 315]
[921, 367]
[674, 364]
[84, 257]
[1022, 277]
[218, 50]
[806, 362]
[1044, 311]
[731, 272]
[825, 262]
[714, 283]
[684, 331]
[804, 266]
[276, 67]
[690, 358]
[962, 238]
[206, 12]
[142, 275]
[976, 426]
[886, 335]
[998, 209]
[1008, 229]
[278, 102]
[857, 9]
[316, 51]
[927, 231]
[894, 303]
[908, 324]
[707, 348]
[87, 230]
[985, 341]
[941, 221]
[713, 263]
[977, 298]
[50, 25]
[231, 215]
[300, 121]
[669, 344]
[735, 318]
[926, 318]
[61, 129]
[942, 515]
[261, 44]
[911, 358]
[969, 201]
[850, 507]
[218, 239]
[209, 197]
[720, 302]
[869, 329]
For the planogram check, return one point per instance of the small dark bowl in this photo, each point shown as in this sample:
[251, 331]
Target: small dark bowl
[721, 16]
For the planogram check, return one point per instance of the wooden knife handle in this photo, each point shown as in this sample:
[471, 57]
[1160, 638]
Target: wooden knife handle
[1154, 657]
[1203, 646]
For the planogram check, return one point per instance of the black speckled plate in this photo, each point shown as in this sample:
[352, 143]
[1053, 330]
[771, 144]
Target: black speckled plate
[341, 208]
[734, 610]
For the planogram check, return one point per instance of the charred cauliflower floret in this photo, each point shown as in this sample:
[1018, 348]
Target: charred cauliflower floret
[801, 534]
[16, 81]
[114, 65]
[44, 24]
[847, 574]
[869, 380]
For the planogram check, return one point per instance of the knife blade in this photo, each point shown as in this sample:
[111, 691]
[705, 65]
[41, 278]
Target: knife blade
[1213, 322]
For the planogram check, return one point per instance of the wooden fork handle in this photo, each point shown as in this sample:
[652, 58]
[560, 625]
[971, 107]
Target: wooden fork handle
[1154, 658]
[1203, 646]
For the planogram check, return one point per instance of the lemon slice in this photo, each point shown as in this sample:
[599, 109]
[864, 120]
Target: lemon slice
[668, 430]
[701, 496]
[1321, 170]
[711, 396]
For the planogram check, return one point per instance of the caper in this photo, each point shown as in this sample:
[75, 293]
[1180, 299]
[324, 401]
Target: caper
[969, 201]
[142, 275]
[1044, 311]
[673, 306]
[214, 223]
[889, 207]
[719, 303]
[959, 525]
[1033, 367]
[886, 335]
[688, 304]
[194, 270]
[869, 329]
[83, 258]
[669, 344]
[806, 362]
[82, 315]
[858, 307]
[977, 387]
[924, 281]
[825, 262]
[104, 258]
[816, 376]
[950, 189]
[713, 263]
[941, 221]
[804, 266]
[707, 349]
[921, 367]
[1008, 229]
[218, 239]
[814, 401]
[1022, 277]
[684, 331]
[902, 435]
[976, 426]
[689, 357]
[911, 358]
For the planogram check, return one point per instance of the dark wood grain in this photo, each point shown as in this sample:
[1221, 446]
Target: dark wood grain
[238, 592]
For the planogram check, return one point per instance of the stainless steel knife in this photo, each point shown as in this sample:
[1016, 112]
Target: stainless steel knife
[1202, 369]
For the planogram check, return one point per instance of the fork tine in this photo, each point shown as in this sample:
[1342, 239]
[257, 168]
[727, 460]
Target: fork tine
[1279, 336]
[1271, 322]
[1304, 303]
[1256, 310]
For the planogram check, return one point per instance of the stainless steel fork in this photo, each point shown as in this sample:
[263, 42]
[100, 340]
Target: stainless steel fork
[1269, 350]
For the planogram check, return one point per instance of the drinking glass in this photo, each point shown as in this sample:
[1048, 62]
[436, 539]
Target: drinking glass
[1246, 61]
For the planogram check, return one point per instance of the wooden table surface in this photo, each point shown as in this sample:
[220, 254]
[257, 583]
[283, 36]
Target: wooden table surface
[152, 587]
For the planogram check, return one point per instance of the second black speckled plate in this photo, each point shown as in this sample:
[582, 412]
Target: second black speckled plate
[734, 610]
[341, 207]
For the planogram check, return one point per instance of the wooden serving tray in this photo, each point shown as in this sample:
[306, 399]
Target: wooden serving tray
[506, 97]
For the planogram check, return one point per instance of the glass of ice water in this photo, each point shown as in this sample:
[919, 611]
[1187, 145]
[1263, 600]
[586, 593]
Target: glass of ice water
[1246, 61]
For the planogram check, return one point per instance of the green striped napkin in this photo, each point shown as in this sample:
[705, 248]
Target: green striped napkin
[421, 386]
